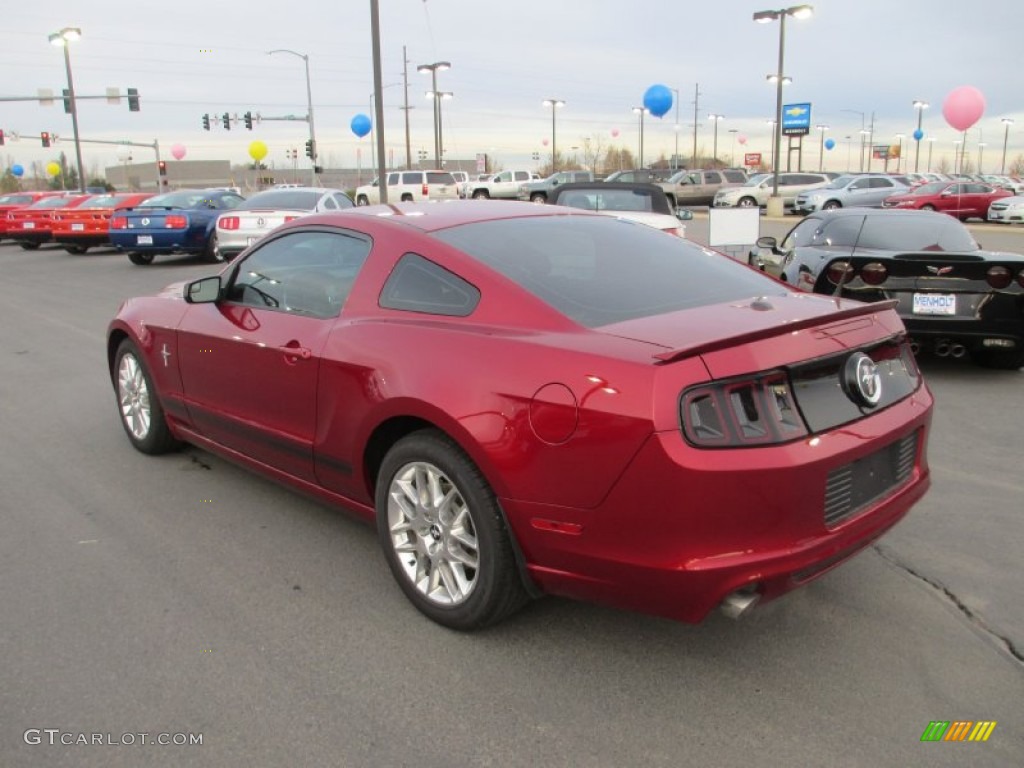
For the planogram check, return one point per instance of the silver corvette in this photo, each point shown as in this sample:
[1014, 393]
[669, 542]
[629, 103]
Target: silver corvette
[239, 228]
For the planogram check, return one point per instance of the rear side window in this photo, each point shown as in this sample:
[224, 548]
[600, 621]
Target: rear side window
[734, 177]
[419, 285]
[598, 270]
[439, 178]
[712, 178]
[412, 178]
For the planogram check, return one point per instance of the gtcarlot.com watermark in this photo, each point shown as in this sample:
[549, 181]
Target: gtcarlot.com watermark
[56, 737]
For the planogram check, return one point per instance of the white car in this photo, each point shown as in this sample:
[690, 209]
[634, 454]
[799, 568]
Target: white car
[643, 203]
[260, 214]
[410, 186]
[1007, 210]
[757, 189]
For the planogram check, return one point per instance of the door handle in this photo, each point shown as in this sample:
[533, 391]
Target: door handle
[295, 352]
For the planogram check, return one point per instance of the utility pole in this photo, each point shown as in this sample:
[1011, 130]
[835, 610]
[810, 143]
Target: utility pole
[406, 108]
[696, 104]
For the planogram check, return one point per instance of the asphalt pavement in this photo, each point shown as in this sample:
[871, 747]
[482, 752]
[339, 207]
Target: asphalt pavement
[183, 595]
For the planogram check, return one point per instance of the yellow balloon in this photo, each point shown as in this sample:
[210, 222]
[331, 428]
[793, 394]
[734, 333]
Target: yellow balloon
[53, 169]
[257, 150]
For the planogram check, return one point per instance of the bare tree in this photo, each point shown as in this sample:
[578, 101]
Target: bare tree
[1017, 166]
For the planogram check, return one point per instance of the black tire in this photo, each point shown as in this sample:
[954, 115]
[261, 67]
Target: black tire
[999, 359]
[496, 590]
[362, 200]
[538, 197]
[481, 194]
[140, 259]
[76, 249]
[746, 202]
[831, 205]
[212, 252]
[134, 389]
[29, 246]
[406, 198]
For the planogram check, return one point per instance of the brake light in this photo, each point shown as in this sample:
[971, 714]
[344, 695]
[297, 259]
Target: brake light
[119, 222]
[999, 277]
[840, 272]
[759, 410]
[175, 222]
[227, 222]
[874, 273]
[290, 218]
[426, 190]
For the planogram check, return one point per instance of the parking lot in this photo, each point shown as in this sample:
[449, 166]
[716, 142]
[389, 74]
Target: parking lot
[182, 594]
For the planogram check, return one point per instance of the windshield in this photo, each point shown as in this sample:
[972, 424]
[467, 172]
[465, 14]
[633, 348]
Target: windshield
[283, 199]
[104, 201]
[756, 179]
[15, 199]
[600, 270]
[932, 188]
[841, 182]
[176, 200]
[52, 202]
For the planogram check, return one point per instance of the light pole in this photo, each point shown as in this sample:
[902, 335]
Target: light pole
[863, 133]
[714, 152]
[957, 151]
[676, 127]
[899, 157]
[732, 152]
[771, 153]
[309, 108]
[554, 104]
[981, 150]
[1007, 121]
[931, 144]
[433, 69]
[920, 106]
[640, 111]
[765, 17]
[63, 38]
[821, 147]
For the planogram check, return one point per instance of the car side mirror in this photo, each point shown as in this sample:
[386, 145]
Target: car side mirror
[684, 214]
[206, 290]
[769, 242]
[554, 182]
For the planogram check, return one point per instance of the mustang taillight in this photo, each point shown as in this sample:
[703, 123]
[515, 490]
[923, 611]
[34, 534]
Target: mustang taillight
[426, 190]
[175, 222]
[840, 272]
[119, 222]
[874, 273]
[999, 277]
[290, 218]
[227, 222]
[741, 413]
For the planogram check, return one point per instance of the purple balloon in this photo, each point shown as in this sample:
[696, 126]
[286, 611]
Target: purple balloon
[361, 125]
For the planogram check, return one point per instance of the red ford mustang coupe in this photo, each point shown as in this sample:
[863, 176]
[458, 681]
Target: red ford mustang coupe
[533, 399]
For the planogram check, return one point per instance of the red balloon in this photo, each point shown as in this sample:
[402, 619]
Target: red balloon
[963, 107]
[615, 133]
[544, 142]
[741, 139]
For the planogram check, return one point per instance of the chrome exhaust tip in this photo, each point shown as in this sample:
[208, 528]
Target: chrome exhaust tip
[957, 350]
[740, 602]
[942, 348]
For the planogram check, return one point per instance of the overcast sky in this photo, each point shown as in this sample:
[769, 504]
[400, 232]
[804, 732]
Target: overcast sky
[188, 58]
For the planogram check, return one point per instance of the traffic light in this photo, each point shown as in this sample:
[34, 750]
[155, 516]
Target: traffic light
[247, 118]
[310, 149]
[67, 101]
[226, 119]
[45, 136]
[133, 99]
[162, 165]
[206, 122]
[318, 169]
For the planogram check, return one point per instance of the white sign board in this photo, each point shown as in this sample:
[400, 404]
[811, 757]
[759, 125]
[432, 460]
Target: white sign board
[733, 226]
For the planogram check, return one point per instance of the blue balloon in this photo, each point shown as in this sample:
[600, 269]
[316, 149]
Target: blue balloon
[918, 134]
[830, 143]
[658, 100]
[361, 125]
[17, 170]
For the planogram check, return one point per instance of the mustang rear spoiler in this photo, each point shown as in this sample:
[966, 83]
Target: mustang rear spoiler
[766, 333]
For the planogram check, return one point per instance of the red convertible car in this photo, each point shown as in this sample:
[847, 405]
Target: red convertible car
[533, 399]
[963, 199]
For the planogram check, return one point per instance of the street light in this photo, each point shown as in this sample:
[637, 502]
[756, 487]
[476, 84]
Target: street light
[766, 17]
[931, 144]
[309, 108]
[771, 155]
[957, 150]
[732, 152]
[863, 133]
[554, 104]
[920, 106]
[981, 150]
[1007, 121]
[641, 111]
[821, 148]
[714, 152]
[62, 38]
[775, 78]
[899, 157]
[438, 97]
[433, 69]
[677, 127]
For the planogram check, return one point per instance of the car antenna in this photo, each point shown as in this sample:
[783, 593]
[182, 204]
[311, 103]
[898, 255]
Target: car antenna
[842, 281]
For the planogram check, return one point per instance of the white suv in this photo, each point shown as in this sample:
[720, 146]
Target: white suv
[409, 186]
[758, 189]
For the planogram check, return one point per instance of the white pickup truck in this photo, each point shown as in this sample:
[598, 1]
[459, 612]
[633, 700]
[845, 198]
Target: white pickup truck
[501, 186]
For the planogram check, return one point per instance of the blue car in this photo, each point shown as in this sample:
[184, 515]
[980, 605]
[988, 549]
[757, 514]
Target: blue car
[183, 221]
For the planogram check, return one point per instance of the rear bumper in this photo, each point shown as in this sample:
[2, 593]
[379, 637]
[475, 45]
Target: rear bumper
[682, 529]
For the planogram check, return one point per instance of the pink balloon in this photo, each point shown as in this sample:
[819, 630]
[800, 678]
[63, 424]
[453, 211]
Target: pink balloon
[963, 107]
[177, 151]
[741, 139]
[615, 133]
[544, 142]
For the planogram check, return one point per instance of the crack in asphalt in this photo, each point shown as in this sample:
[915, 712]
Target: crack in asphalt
[973, 617]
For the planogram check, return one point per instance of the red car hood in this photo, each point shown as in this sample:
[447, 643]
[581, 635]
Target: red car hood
[702, 330]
